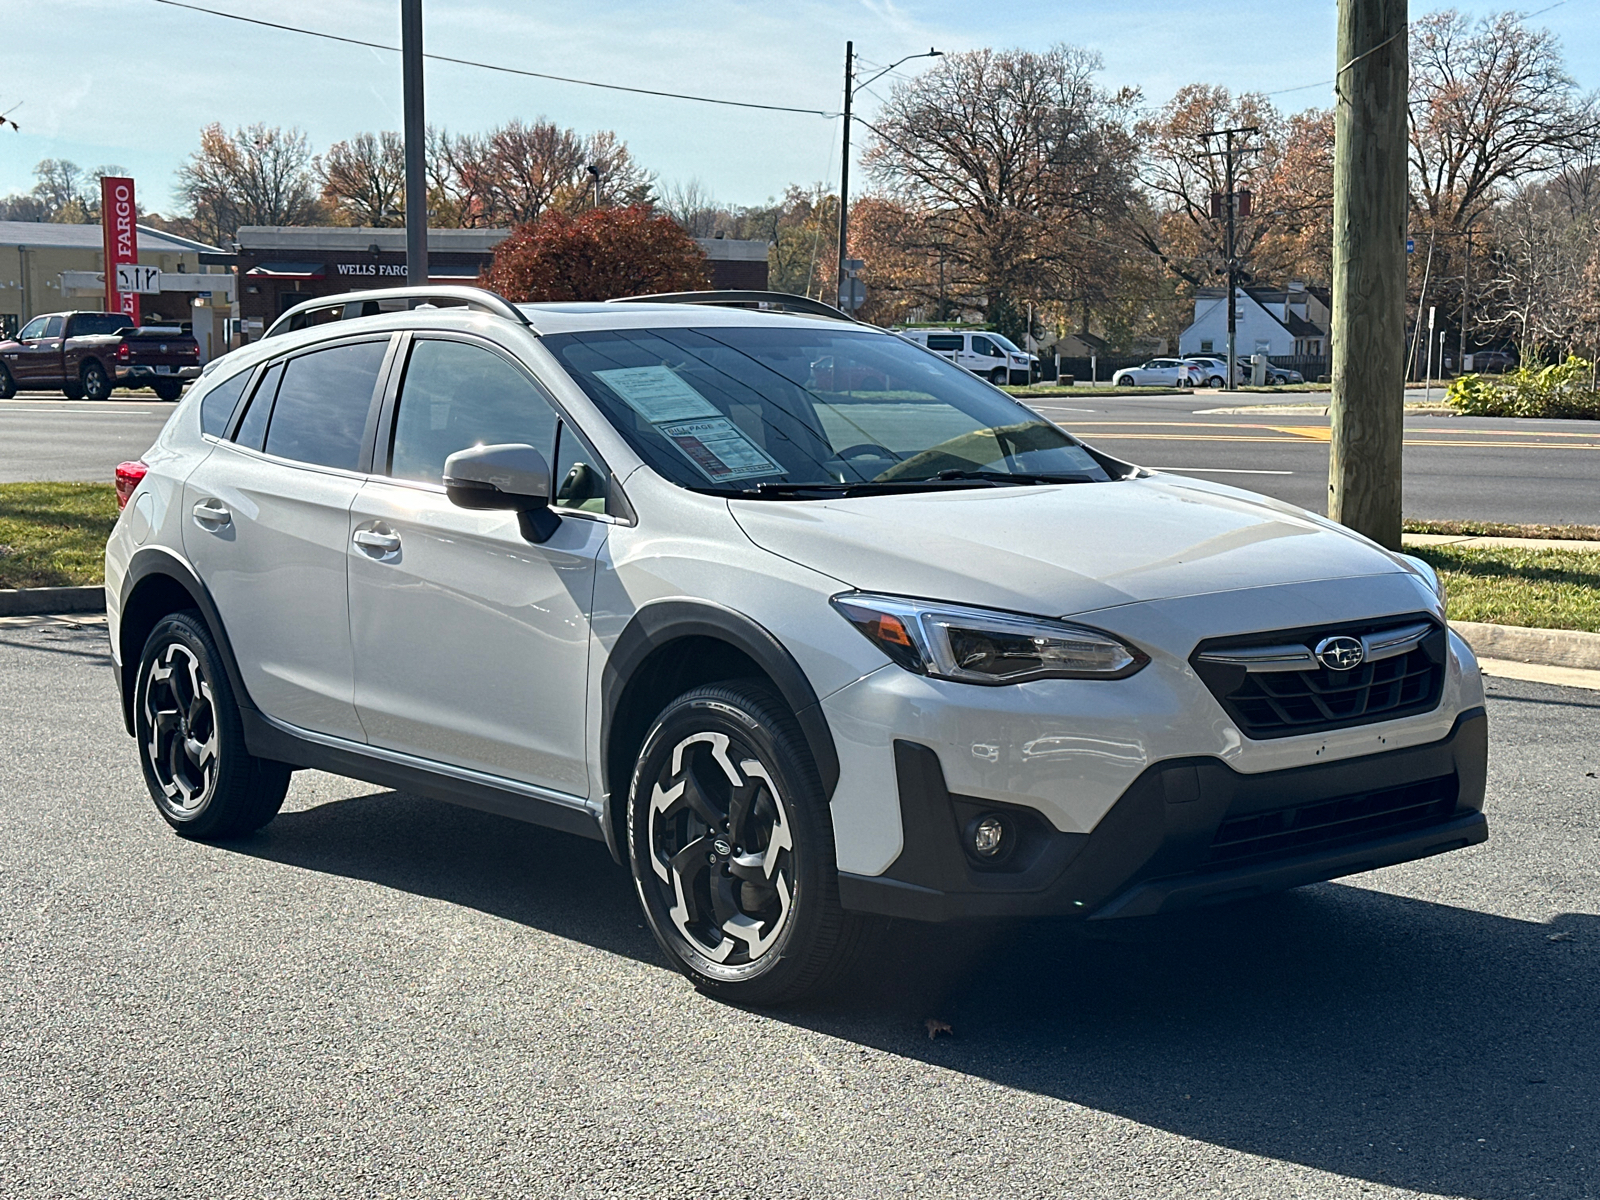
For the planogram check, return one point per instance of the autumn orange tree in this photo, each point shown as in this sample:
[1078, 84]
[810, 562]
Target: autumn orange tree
[598, 255]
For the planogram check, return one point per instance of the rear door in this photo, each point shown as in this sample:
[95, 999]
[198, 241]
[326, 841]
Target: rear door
[268, 528]
[472, 643]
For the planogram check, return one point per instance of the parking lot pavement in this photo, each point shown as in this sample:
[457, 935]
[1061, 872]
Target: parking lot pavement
[381, 995]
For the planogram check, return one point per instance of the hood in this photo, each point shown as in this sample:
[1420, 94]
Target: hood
[1065, 549]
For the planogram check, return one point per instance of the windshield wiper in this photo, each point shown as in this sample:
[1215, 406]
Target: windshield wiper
[833, 489]
[1017, 477]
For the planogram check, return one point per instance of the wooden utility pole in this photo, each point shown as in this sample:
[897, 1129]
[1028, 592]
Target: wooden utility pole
[1369, 269]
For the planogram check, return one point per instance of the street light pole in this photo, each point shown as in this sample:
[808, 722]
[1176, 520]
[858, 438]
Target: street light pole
[844, 170]
[1230, 198]
[844, 166]
[416, 139]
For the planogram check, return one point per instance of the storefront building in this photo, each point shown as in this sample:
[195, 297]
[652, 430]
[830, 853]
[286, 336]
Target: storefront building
[47, 267]
[281, 266]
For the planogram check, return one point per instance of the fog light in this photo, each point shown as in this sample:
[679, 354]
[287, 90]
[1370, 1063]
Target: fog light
[988, 836]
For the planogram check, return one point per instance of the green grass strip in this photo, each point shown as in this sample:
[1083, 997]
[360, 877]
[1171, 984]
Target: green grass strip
[54, 534]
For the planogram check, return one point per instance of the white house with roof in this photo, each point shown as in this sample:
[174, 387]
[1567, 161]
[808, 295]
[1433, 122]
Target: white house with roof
[1290, 322]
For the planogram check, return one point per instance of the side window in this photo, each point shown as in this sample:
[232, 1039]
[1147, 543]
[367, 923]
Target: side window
[457, 395]
[217, 405]
[982, 345]
[578, 476]
[253, 429]
[944, 341]
[52, 327]
[321, 412]
[33, 329]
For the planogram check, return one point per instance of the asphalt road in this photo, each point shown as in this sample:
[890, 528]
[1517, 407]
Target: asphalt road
[1544, 472]
[45, 437]
[382, 995]
[1455, 468]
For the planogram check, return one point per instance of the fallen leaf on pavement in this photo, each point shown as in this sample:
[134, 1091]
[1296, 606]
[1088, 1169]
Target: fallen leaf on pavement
[936, 1027]
[1564, 936]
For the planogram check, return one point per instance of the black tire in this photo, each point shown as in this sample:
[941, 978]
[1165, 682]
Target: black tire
[204, 782]
[72, 390]
[8, 385]
[1216, 381]
[999, 376]
[168, 389]
[96, 383]
[728, 827]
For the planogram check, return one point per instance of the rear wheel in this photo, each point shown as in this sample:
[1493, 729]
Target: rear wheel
[1215, 381]
[191, 743]
[96, 383]
[168, 389]
[731, 845]
[8, 385]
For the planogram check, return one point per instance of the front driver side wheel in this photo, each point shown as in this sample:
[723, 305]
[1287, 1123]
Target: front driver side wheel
[731, 845]
[205, 783]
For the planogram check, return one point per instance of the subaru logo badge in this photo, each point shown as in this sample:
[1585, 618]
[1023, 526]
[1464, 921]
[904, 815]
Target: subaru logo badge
[722, 847]
[1340, 653]
[163, 349]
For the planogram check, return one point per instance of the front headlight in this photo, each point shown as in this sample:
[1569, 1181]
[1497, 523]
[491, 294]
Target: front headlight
[980, 645]
[1429, 575]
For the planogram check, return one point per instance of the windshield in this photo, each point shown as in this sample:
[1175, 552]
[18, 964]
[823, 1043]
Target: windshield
[768, 411]
[1005, 343]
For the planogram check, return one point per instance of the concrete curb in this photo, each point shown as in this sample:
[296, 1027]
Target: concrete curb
[1547, 647]
[31, 602]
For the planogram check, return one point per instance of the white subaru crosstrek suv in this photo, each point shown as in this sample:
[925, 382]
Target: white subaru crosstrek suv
[654, 573]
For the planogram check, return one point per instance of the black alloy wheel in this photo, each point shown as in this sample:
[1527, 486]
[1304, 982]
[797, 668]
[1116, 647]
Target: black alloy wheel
[204, 782]
[8, 385]
[96, 383]
[731, 845]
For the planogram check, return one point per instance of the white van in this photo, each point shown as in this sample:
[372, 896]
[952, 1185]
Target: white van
[992, 355]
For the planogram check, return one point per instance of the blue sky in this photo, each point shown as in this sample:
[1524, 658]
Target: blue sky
[132, 81]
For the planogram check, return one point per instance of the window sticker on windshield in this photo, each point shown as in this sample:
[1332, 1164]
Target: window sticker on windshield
[720, 450]
[657, 394]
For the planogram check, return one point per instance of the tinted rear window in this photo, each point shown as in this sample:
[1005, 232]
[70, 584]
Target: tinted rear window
[321, 411]
[91, 324]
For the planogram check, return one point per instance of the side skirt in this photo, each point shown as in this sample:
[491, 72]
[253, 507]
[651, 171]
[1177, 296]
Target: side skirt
[301, 748]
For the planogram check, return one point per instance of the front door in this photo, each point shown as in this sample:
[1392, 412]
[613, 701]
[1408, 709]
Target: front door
[38, 362]
[267, 524]
[472, 643]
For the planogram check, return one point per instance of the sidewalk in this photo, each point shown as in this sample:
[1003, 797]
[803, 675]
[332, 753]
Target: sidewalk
[1469, 542]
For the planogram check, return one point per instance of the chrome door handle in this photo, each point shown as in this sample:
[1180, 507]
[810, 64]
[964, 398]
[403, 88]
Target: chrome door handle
[371, 539]
[212, 514]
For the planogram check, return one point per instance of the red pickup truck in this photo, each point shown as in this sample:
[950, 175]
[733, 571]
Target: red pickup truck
[89, 354]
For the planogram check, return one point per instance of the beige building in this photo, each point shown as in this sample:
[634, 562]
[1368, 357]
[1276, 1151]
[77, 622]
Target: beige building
[47, 267]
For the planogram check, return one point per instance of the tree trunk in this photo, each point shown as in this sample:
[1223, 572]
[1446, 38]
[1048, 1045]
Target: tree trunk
[1369, 269]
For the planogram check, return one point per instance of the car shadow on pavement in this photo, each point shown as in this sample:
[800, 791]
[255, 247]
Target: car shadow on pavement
[1389, 1039]
[556, 882]
[1377, 1037]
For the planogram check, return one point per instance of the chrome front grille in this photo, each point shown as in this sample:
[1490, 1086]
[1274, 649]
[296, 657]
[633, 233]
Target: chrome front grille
[1274, 685]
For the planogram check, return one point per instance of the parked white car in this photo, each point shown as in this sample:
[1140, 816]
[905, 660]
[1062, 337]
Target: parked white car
[1158, 372]
[992, 355]
[658, 574]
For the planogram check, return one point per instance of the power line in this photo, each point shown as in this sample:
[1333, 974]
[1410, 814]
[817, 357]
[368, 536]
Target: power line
[467, 62]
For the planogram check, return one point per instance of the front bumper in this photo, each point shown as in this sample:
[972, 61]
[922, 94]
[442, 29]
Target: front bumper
[1187, 832]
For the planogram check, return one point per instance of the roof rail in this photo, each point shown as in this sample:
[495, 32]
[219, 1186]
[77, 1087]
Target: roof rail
[765, 301]
[371, 303]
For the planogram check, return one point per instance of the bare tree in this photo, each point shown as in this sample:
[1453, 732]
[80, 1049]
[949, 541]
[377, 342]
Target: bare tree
[259, 175]
[692, 206]
[1014, 162]
[364, 180]
[1491, 104]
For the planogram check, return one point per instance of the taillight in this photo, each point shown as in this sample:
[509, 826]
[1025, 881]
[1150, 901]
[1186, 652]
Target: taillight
[123, 353]
[128, 476]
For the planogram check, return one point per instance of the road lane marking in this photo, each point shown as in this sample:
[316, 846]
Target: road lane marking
[1300, 441]
[1214, 470]
[79, 412]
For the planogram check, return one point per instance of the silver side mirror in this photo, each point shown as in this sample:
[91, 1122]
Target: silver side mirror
[511, 476]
